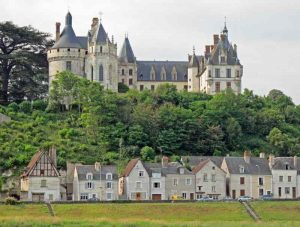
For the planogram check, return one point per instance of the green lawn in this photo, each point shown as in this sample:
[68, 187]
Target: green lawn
[138, 214]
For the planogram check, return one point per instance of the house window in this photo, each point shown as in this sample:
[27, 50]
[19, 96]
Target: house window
[109, 196]
[109, 185]
[242, 180]
[130, 72]
[188, 181]
[43, 183]
[261, 181]
[175, 181]
[213, 188]
[242, 169]
[89, 185]
[287, 190]
[184, 195]
[261, 191]
[242, 192]
[279, 191]
[228, 85]
[209, 73]
[84, 196]
[287, 166]
[123, 72]
[213, 168]
[213, 177]
[152, 87]
[130, 81]
[217, 84]
[217, 73]
[138, 185]
[141, 87]
[181, 170]
[289, 178]
[141, 173]
[68, 65]
[101, 74]
[237, 73]
[42, 172]
[228, 73]
[108, 176]
[89, 176]
[156, 185]
[280, 178]
[205, 177]
[200, 188]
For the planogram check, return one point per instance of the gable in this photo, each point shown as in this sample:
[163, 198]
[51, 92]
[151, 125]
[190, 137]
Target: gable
[43, 166]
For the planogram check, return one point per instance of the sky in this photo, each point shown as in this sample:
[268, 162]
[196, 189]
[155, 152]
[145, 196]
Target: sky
[267, 32]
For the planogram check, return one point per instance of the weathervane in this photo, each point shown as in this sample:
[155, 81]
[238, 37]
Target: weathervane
[100, 15]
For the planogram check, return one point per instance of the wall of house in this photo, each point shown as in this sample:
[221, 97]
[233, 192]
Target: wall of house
[234, 184]
[52, 187]
[182, 187]
[284, 184]
[219, 183]
[255, 187]
[180, 85]
[161, 190]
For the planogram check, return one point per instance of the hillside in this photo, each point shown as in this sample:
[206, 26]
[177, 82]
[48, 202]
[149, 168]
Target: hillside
[98, 125]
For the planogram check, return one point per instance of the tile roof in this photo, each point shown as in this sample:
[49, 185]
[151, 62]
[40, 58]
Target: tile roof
[130, 166]
[257, 166]
[197, 168]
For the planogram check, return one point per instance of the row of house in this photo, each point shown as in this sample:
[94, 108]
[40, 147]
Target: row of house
[192, 178]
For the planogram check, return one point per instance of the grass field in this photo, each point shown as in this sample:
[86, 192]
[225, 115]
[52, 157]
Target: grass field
[151, 214]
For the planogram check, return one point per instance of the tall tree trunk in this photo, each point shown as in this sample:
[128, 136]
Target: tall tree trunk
[4, 89]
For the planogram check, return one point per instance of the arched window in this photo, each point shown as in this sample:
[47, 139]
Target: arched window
[123, 72]
[92, 73]
[101, 75]
[100, 49]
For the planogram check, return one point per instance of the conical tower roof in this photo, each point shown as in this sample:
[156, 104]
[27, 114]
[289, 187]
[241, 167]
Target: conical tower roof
[67, 38]
[126, 54]
[194, 60]
[101, 35]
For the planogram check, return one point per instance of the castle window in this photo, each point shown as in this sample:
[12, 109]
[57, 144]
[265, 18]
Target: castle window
[217, 73]
[152, 76]
[228, 73]
[100, 49]
[163, 76]
[237, 73]
[185, 76]
[101, 75]
[68, 65]
[209, 73]
[130, 72]
[79, 50]
[130, 81]
[217, 87]
[58, 50]
[223, 59]
[92, 73]
[175, 76]
[68, 49]
[152, 87]
[123, 72]
[141, 87]
[141, 76]
[228, 85]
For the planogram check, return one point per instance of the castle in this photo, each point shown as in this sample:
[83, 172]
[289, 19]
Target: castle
[95, 57]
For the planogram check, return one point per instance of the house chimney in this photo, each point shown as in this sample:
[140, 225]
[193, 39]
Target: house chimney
[247, 156]
[164, 161]
[97, 166]
[207, 49]
[295, 162]
[216, 39]
[262, 155]
[223, 37]
[94, 22]
[52, 155]
[271, 160]
[57, 31]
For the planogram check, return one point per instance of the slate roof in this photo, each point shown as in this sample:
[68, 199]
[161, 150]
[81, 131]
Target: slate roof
[171, 168]
[83, 40]
[126, 54]
[194, 62]
[257, 166]
[280, 162]
[195, 160]
[82, 170]
[101, 35]
[67, 38]
[144, 69]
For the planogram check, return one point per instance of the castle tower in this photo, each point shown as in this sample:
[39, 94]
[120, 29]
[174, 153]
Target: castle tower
[127, 65]
[223, 69]
[68, 52]
[101, 62]
[193, 71]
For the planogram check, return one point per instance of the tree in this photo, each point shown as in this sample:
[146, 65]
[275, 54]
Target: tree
[147, 153]
[22, 53]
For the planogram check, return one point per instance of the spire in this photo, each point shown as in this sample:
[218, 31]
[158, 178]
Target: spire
[126, 54]
[225, 30]
[69, 18]
[101, 35]
[194, 60]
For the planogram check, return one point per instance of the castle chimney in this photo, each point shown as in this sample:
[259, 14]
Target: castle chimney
[57, 31]
[235, 48]
[271, 160]
[52, 155]
[216, 39]
[262, 155]
[94, 22]
[164, 161]
[295, 162]
[207, 49]
[212, 48]
[247, 156]
[97, 166]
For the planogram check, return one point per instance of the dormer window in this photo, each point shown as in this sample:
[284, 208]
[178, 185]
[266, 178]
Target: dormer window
[223, 59]
[89, 176]
[108, 176]
[181, 170]
[287, 167]
[185, 76]
[242, 169]
[141, 76]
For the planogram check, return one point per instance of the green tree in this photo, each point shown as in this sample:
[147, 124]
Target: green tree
[147, 154]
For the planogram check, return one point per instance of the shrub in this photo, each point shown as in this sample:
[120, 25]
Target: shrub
[39, 105]
[25, 106]
[13, 106]
[11, 201]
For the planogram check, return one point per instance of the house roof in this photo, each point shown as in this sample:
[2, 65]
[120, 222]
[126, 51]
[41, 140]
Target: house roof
[144, 70]
[126, 54]
[83, 170]
[197, 168]
[67, 38]
[195, 160]
[257, 166]
[280, 163]
[101, 35]
[131, 164]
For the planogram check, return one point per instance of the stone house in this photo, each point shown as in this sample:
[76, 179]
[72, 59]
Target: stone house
[250, 176]
[285, 177]
[210, 180]
[41, 179]
[95, 182]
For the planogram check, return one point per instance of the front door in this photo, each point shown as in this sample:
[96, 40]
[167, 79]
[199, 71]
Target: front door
[233, 194]
[156, 196]
[38, 197]
[192, 196]
[242, 192]
[294, 192]
[138, 196]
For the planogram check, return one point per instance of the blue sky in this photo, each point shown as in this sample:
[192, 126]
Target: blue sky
[267, 32]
